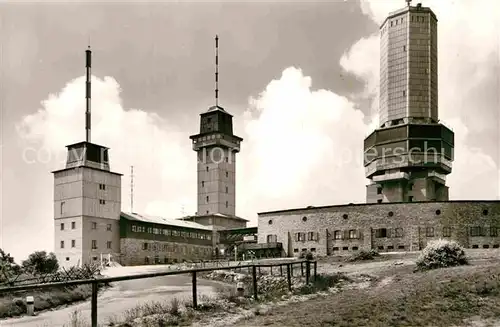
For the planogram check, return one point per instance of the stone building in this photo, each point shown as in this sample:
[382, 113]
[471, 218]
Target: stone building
[385, 227]
[153, 240]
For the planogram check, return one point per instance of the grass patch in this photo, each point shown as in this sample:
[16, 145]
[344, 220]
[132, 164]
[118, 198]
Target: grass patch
[13, 305]
[323, 282]
[440, 297]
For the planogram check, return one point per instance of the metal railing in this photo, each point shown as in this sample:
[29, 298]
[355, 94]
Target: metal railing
[254, 268]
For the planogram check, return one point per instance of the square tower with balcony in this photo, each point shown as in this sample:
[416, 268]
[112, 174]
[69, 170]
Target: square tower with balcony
[216, 146]
[87, 206]
[408, 157]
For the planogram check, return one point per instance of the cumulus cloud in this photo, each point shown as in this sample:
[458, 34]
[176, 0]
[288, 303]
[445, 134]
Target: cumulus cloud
[303, 146]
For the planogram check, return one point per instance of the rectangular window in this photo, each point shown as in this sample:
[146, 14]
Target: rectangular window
[272, 238]
[429, 232]
[94, 244]
[144, 246]
[73, 243]
[227, 204]
[62, 226]
[207, 168]
[62, 208]
[312, 236]
[410, 198]
[379, 190]
[108, 244]
[476, 231]
[94, 225]
[102, 201]
[493, 231]
[108, 227]
[62, 244]
[73, 225]
[300, 237]
[353, 234]
[102, 186]
[227, 189]
[404, 48]
[446, 231]
[399, 232]
[134, 228]
[381, 233]
[295, 250]
[337, 235]
[202, 183]
[227, 174]
[208, 198]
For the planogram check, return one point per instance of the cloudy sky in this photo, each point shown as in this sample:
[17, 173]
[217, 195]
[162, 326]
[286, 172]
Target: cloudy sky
[300, 78]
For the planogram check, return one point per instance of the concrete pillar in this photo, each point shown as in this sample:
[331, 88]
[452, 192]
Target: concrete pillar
[30, 305]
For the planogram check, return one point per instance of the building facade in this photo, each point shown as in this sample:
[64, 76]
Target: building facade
[385, 227]
[87, 204]
[90, 227]
[408, 157]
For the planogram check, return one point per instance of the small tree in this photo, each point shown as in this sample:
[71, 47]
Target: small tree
[7, 265]
[39, 262]
[441, 254]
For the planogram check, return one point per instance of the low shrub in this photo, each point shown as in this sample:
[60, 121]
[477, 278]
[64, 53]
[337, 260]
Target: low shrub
[363, 255]
[322, 283]
[441, 254]
[306, 255]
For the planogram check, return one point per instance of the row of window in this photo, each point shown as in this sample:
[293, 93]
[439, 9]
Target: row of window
[169, 232]
[398, 232]
[309, 236]
[203, 185]
[184, 249]
[94, 244]
[93, 226]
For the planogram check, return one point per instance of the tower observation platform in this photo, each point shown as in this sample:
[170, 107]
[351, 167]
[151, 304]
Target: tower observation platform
[408, 157]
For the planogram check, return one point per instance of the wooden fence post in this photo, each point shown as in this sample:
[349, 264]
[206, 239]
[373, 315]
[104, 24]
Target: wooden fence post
[315, 269]
[93, 305]
[254, 277]
[302, 268]
[195, 297]
[289, 276]
[281, 270]
[308, 271]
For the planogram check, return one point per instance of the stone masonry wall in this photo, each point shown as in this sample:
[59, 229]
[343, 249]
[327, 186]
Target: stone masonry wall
[133, 252]
[409, 226]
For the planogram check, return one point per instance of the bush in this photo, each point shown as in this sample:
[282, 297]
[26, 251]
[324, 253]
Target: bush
[40, 262]
[363, 255]
[441, 254]
[306, 255]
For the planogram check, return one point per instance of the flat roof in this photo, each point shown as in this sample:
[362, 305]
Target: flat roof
[163, 221]
[214, 215]
[83, 166]
[372, 204]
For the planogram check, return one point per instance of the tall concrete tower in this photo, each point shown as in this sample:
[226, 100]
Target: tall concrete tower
[408, 157]
[217, 147]
[87, 200]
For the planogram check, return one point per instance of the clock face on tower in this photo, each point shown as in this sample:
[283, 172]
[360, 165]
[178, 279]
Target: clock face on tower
[208, 124]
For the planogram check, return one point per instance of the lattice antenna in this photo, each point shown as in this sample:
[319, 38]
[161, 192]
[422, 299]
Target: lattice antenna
[131, 189]
[88, 120]
[216, 70]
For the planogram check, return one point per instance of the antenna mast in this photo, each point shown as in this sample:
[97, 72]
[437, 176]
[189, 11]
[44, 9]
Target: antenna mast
[408, 2]
[216, 70]
[131, 189]
[87, 94]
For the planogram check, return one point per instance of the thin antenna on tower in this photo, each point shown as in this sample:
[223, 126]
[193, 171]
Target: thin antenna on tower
[408, 2]
[131, 189]
[216, 70]
[88, 120]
